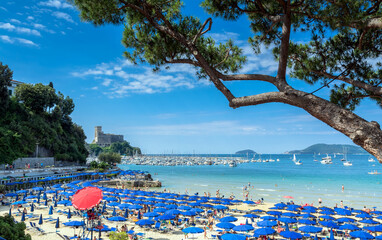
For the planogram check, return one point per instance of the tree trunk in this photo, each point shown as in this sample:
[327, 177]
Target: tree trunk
[366, 134]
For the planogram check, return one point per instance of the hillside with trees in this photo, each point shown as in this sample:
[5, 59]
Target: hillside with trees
[330, 149]
[122, 148]
[37, 114]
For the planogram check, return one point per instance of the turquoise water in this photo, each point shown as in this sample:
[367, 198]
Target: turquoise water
[273, 180]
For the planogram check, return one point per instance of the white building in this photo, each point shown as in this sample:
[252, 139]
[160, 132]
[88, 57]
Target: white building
[11, 89]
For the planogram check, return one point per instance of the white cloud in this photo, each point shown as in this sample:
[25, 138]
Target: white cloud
[122, 79]
[106, 82]
[62, 15]
[15, 21]
[30, 18]
[22, 30]
[3, 8]
[56, 4]
[6, 38]
[13, 40]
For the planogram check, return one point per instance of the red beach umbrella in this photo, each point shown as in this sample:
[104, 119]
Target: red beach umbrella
[290, 197]
[87, 198]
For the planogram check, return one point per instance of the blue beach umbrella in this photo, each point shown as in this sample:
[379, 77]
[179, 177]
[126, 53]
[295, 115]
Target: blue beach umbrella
[229, 236]
[350, 227]
[151, 214]
[192, 230]
[274, 213]
[57, 223]
[291, 235]
[166, 217]
[289, 214]
[145, 222]
[293, 207]
[228, 219]
[243, 228]
[173, 212]
[364, 215]
[114, 204]
[307, 221]
[50, 210]
[345, 219]
[343, 211]
[310, 229]
[189, 213]
[10, 212]
[326, 217]
[23, 217]
[225, 225]
[268, 217]
[135, 207]
[377, 228]
[40, 220]
[264, 231]
[117, 219]
[74, 223]
[69, 214]
[266, 223]
[329, 224]
[220, 207]
[126, 214]
[287, 220]
[160, 210]
[11, 195]
[250, 215]
[369, 221]
[361, 235]
[307, 215]
[32, 207]
[114, 212]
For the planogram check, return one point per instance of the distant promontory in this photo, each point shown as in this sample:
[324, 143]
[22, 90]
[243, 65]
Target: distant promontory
[246, 151]
[330, 149]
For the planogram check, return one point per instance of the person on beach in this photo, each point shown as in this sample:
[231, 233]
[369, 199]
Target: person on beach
[342, 204]
[319, 202]
[343, 188]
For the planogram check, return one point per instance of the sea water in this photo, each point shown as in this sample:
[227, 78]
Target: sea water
[274, 180]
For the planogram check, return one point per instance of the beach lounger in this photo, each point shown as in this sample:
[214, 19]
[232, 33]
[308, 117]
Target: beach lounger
[65, 238]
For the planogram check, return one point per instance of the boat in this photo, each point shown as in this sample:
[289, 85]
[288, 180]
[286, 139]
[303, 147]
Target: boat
[326, 160]
[375, 172]
[314, 158]
[297, 162]
[371, 159]
[347, 163]
[232, 164]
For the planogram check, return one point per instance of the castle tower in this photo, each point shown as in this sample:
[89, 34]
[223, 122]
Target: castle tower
[97, 133]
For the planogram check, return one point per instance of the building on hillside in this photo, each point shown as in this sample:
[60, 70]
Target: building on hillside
[105, 139]
[11, 89]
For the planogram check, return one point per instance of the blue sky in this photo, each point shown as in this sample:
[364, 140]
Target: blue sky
[165, 112]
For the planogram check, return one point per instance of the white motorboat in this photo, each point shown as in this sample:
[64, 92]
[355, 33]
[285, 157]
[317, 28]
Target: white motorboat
[347, 163]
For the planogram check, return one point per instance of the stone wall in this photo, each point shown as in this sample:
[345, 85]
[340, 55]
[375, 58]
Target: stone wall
[34, 162]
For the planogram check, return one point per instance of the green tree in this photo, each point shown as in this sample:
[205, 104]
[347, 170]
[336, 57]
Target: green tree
[341, 37]
[5, 81]
[11, 230]
[94, 149]
[93, 164]
[110, 157]
[38, 97]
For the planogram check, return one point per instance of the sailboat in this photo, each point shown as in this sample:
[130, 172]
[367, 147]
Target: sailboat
[297, 162]
[314, 158]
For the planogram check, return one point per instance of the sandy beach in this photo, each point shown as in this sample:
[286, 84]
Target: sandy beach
[238, 211]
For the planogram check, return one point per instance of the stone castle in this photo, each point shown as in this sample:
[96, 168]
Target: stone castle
[105, 139]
